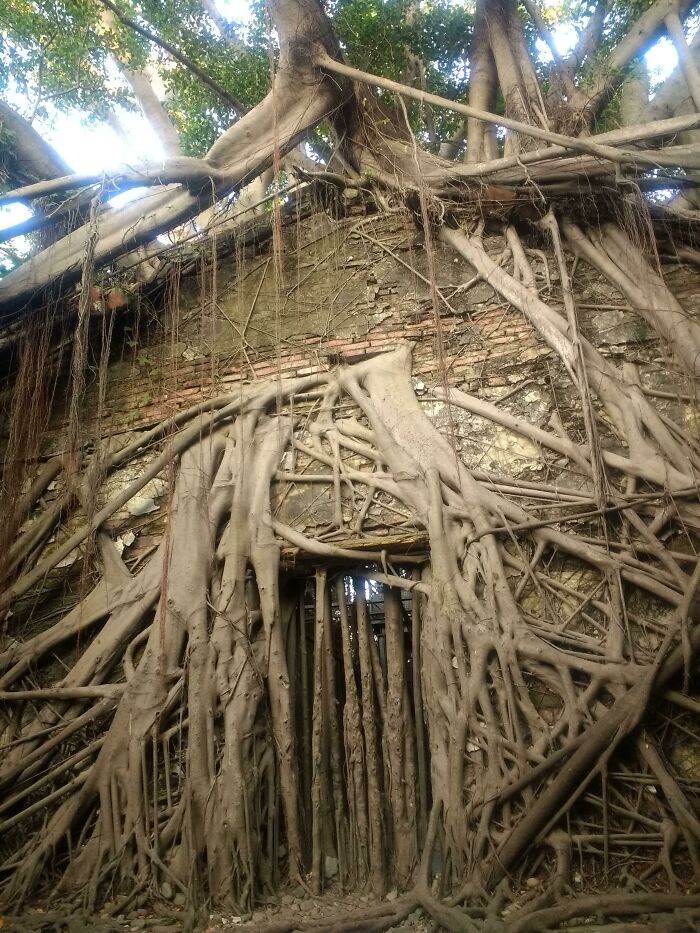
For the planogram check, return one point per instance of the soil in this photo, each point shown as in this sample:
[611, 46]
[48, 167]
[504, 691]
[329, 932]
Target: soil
[163, 917]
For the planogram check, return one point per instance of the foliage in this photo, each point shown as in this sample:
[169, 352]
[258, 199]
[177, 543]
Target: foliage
[63, 54]
[55, 53]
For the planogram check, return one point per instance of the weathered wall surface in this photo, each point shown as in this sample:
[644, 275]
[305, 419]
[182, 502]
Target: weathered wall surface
[341, 298]
[350, 289]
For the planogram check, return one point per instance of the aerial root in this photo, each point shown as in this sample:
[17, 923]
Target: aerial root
[226, 746]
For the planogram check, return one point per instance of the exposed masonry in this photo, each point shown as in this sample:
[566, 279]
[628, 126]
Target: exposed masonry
[490, 350]
[487, 345]
[195, 379]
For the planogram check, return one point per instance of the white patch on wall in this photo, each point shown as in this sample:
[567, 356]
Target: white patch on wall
[508, 449]
[433, 409]
[144, 502]
[124, 541]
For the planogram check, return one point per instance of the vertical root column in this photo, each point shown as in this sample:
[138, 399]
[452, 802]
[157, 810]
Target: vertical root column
[369, 722]
[400, 744]
[354, 752]
[318, 751]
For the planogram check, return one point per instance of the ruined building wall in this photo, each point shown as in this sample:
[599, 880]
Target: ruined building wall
[350, 289]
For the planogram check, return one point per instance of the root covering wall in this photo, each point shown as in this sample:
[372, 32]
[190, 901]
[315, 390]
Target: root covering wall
[349, 290]
[338, 591]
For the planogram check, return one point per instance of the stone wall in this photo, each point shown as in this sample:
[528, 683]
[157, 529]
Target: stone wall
[350, 289]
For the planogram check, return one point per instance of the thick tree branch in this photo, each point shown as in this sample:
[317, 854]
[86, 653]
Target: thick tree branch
[687, 157]
[298, 101]
[685, 58]
[33, 159]
[638, 37]
[175, 171]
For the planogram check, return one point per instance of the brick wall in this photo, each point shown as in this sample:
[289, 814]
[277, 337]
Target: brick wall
[290, 328]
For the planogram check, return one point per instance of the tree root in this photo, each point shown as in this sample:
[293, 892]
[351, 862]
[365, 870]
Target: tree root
[199, 773]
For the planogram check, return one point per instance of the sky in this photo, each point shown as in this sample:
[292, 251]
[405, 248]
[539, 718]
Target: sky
[90, 148]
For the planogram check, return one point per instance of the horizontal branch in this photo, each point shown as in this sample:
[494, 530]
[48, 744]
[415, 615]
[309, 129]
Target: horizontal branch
[63, 693]
[323, 549]
[654, 129]
[650, 158]
[180, 170]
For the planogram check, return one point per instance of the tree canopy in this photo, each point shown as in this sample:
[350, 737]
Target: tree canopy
[91, 57]
[195, 75]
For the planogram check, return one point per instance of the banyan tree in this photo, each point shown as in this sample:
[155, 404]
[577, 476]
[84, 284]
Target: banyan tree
[290, 629]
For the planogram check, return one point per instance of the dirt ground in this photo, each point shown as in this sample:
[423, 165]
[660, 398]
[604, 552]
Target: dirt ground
[169, 917]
